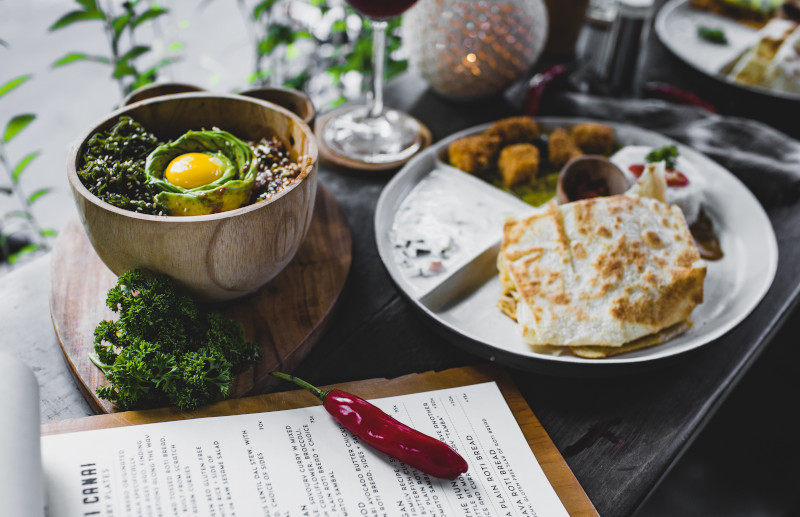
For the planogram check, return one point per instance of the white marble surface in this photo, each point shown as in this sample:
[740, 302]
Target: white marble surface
[26, 332]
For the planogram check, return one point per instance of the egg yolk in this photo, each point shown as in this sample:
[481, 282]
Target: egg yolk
[193, 170]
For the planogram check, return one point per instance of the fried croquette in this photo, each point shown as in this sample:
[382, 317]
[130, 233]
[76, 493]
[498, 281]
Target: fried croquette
[473, 153]
[593, 138]
[514, 130]
[561, 148]
[518, 163]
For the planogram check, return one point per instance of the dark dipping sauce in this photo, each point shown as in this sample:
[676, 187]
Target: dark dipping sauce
[276, 170]
[704, 238]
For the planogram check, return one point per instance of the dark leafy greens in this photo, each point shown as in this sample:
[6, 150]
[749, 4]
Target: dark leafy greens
[165, 349]
[113, 163]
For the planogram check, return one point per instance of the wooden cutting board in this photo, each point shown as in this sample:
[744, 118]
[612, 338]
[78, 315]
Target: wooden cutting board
[286, 316]
[555, 468]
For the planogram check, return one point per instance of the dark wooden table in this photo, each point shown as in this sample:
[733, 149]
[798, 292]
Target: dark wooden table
[619, 435]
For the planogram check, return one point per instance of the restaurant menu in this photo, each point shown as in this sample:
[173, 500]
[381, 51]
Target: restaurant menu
[299, 462]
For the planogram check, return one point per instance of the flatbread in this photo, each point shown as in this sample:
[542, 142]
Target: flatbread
[601, 272]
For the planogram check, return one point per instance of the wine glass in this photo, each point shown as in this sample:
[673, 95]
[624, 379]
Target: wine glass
[373, 134]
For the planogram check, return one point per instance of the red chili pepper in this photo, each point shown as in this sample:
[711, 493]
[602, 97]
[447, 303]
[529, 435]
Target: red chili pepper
[676, 178]
[381, 431]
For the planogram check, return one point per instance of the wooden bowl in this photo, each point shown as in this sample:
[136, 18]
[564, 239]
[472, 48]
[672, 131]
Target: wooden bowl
[219, 256]
[295, 101]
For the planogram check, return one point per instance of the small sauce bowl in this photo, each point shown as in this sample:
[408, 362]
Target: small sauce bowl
[589, 176]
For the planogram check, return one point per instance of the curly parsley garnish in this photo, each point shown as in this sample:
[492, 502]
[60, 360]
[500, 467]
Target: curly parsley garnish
[165, 349]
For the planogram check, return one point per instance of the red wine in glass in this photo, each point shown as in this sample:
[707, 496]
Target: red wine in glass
[381, 9]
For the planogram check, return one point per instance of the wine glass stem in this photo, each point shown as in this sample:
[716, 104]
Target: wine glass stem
[378, 58]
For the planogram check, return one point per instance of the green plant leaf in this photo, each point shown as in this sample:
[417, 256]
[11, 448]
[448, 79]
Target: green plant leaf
[28, 248]
[262, 7]
[48, 233]
[175, 46]
[277, 34]
[39, 193]
[89, 5]
[17, 124]
[123, 67]
[21, 166]
[13, 83]
[299, 81]
[135, 52]
[70, 58]
[394, 68]
[18, 214]
[338, 102]
[77, 56]
[119, 23]
[154, 12]
[339, 26]
[77, 16]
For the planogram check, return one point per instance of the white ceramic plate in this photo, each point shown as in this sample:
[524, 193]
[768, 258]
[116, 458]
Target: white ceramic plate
[461, 301]
[676, 26]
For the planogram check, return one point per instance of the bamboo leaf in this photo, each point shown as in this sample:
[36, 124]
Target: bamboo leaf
[21, 166]
[76, 16]
[17, 124]
[39, 193]
[28, 248]
[154, 12]
[13, 83]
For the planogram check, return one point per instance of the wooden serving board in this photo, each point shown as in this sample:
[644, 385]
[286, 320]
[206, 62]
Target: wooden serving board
[555, 468]
[286, 316]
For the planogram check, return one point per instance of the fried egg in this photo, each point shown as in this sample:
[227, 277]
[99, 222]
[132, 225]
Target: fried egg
[193, 170]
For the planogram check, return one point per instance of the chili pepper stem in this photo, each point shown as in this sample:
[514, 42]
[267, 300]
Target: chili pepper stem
[303, 384]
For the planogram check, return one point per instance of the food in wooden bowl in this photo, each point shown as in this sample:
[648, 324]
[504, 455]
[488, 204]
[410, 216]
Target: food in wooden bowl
[250, 172]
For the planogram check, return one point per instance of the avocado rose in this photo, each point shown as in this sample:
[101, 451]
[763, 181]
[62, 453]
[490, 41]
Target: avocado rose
[202, 172]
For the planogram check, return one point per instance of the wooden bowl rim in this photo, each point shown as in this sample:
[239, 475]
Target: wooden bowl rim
[77, 185]
[306, 100]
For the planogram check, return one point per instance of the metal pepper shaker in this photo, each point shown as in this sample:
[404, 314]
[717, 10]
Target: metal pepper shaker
[628, 34]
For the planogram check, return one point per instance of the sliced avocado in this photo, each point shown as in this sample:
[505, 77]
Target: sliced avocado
[229, 197]
[228, 192]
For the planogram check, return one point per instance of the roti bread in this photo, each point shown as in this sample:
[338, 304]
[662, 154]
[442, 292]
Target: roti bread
[602, 272]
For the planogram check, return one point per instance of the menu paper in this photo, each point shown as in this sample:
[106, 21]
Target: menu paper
[300, 462]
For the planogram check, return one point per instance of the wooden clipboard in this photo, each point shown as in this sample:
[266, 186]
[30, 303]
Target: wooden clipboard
[555, 468]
